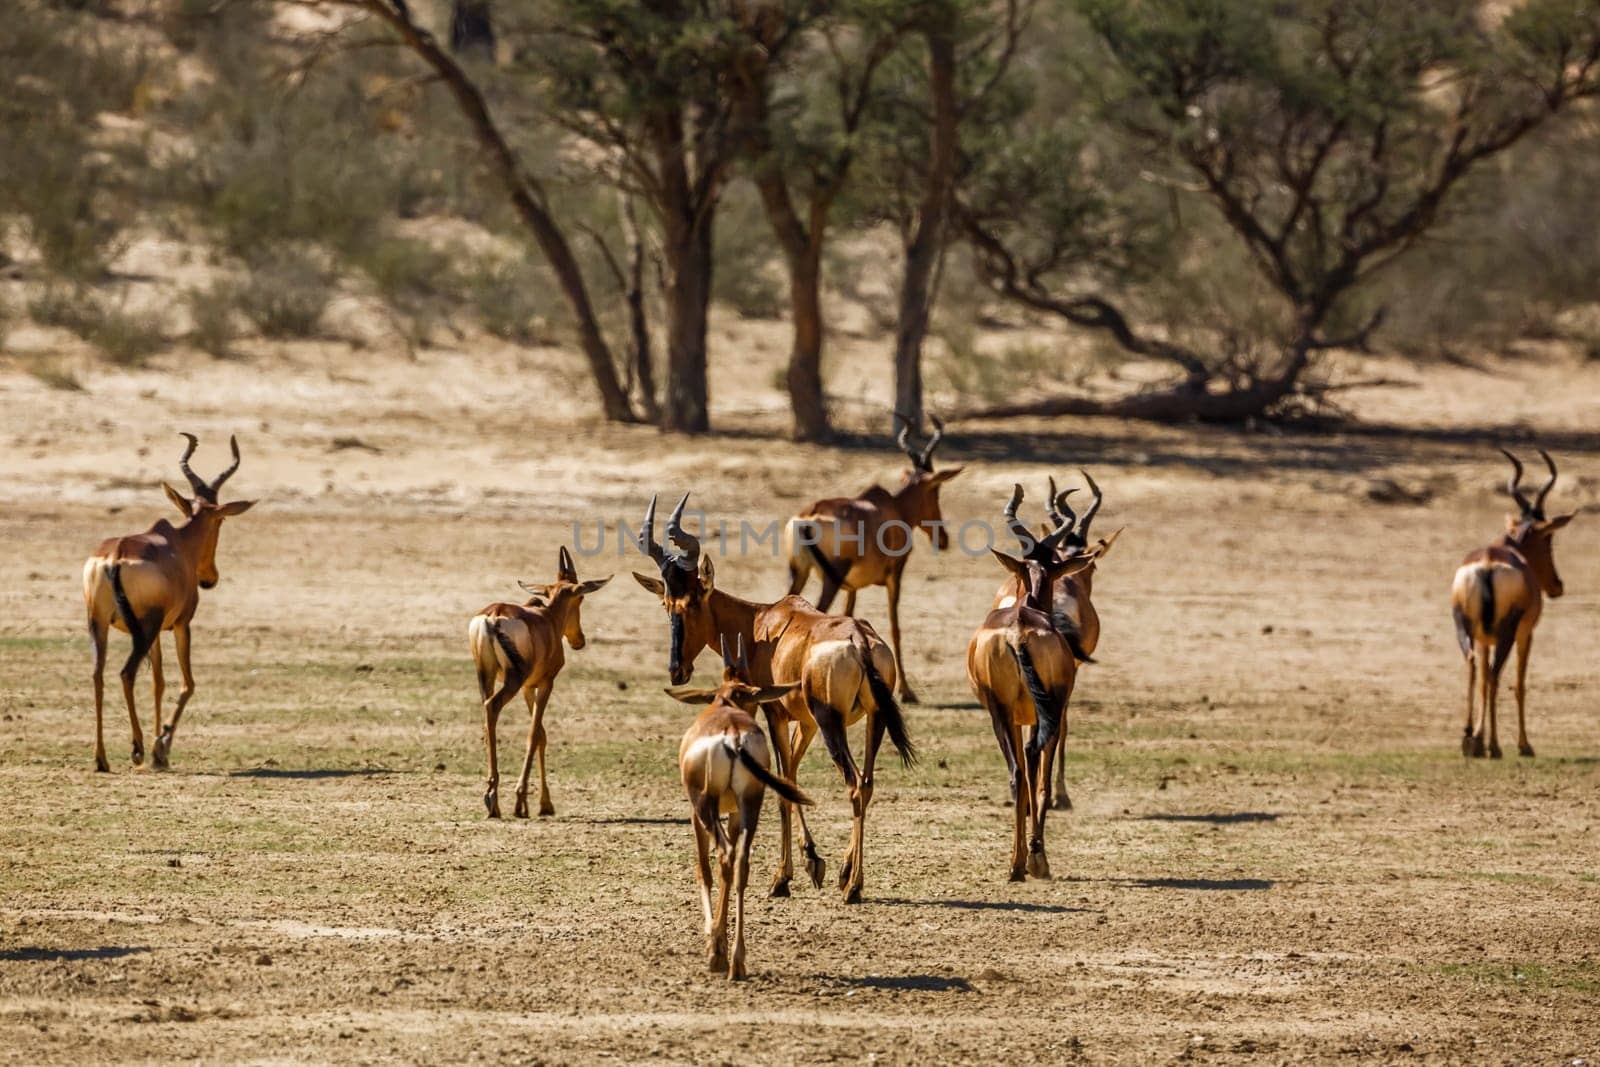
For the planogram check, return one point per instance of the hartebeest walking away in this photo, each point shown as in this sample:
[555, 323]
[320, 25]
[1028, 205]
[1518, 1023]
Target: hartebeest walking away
[150, 582]
[517, 647]
[1022, 669]
[865, 540]
[726, 771]
[1497, 598]
[845, 674]
[1071, 603]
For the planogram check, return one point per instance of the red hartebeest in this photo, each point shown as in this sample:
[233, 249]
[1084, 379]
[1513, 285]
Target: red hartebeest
[726, 771]
[1496, 599]
[1070, 597]
[520, 645]
[863, 541]
[844, 670]
[1022, 669]
[151, 582]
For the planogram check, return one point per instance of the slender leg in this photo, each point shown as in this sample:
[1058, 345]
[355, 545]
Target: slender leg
[158, 684]
[1472, 682]
[719, 962]
[97, 638]
[1524, 645]
[778, 730]
[797, 577]
[162, 752]
[749, 815]
[1061, 799]
[1021, 790]
[1479, 735]
[891, 586]
[1492, 726]
[861, 799]
[702, 854]
[816, 866]
[849, 601]
[130, 672]
[529, 694]
[1038, 862]
[830, 589]
[510, 687]
[830, 723]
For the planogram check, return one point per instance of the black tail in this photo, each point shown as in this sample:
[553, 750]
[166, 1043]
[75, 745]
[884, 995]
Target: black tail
[141, 640]
[1043, 706]
[1069, 632]
[1486, 601]
[1504, 635]
[514, 664]
[893, 719]
[781, 786]
[828, 569]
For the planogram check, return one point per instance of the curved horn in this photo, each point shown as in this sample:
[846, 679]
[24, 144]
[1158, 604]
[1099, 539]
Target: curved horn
[1049, 542]
[1094, 509]
[1050, 502]
[647, 536]
[197, 483]
[1015, 525]
[903, 439]
[686, 543]
[1514, 486]
[564, 568]
[925, 461]
[728, 662]
[743, 656]
[1538, 501]
[233, 444]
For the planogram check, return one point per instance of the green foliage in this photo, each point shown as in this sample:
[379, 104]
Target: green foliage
[504, 294]
[125, 337]
[285, 292]
[749, 274]
[213, 311]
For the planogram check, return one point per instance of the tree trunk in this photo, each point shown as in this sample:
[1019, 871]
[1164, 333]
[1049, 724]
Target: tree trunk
[805, 357]
[688, 254]
[926, 240]
[638, 320]
[526, 196]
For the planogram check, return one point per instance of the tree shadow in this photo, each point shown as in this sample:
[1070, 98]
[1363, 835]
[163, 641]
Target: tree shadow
[1216, 818]
[917, 983]
[103, 952]
[988, 905]
[310, 773]
[635, 820]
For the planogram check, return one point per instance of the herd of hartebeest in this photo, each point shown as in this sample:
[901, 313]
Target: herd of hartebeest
[809, 672]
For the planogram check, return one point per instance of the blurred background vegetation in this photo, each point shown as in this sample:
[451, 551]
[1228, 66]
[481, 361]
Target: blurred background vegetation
[1014, 196]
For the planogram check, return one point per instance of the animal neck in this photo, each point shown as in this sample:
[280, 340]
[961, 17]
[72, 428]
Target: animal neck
[187, 540]
[558, 608]
[1516, 539]
[731, 616]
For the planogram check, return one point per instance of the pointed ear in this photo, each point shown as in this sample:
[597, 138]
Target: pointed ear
[1559, 521]
[775, 692]
[1011, 563]
[237, 507]
[940, 477]
[655, 585]
[1067, 567]
[707, 573]
[689, 695]
[593, 585]
[182, 502]
[1107, 542]
[534, 589]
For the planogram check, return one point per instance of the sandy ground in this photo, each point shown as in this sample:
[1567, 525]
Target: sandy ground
[1277, 854]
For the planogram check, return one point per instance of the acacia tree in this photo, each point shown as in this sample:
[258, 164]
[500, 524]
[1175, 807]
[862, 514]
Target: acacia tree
[1327, 135]
[799, 127]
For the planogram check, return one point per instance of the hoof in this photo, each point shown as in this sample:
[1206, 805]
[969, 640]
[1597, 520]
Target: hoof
[717, 962]
[1467, 746]
[737, 973]
[846, 869]
[521, 809]
[137, 755]
[816, 870]
[1039, 867]
[852, 895]
[1018, 874]
[780, 888]
[1494, 751]
[1062, 803]
[101, 766]
[492, 803]
[906, 696]
[546, 809]
[1525, 750]
[1477, 748]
